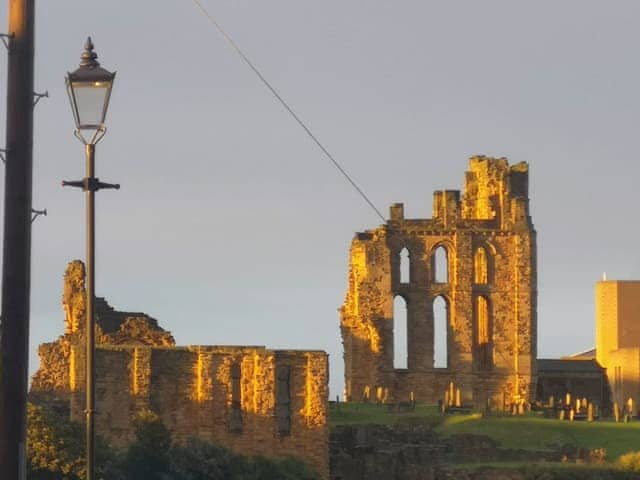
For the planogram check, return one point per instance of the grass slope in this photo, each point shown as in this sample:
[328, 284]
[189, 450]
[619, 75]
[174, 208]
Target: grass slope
[534, 433]
[363, 413]
[527, 432]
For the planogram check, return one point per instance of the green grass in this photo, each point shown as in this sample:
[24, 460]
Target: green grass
[549, 471]
[534, 433]
[363, 413]
[530, 465]
[527, 432]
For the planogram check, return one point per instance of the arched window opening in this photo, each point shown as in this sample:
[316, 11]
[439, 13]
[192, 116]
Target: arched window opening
[440, 333]
[405, 266]
[440, 265]
[480, 267]
[483, 334]
[400, 350]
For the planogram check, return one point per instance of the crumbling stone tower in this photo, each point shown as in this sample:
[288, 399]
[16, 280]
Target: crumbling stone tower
[486, 278]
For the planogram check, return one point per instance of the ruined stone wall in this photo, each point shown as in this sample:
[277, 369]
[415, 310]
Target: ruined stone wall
[192, 390]
[55, 378]
[248, 399]
[491, 355]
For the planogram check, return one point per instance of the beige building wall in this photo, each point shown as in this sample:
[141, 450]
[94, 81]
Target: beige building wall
[623, 372]
[618, 336]
[606, 320]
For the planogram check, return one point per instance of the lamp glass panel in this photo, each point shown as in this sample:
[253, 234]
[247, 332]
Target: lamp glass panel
[90, 102]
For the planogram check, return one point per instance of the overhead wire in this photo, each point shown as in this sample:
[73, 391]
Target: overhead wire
[266, 83]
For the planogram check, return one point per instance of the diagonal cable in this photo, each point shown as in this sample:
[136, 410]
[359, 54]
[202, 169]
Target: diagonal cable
[286, 105]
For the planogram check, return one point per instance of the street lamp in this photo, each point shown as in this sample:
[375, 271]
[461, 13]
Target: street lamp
[89, 89]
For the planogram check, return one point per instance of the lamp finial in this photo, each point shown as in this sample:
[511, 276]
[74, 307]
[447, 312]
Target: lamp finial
[88, 57]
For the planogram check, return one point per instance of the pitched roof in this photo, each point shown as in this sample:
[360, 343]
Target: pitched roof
[586, 355]
[569, 366]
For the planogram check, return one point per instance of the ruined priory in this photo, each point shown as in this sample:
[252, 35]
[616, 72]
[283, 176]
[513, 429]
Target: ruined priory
[476, 257]
[488, 284]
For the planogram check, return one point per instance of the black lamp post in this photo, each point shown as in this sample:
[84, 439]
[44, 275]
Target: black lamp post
[89, 89]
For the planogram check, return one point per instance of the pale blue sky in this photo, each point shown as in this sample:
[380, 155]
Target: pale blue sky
[232, 228]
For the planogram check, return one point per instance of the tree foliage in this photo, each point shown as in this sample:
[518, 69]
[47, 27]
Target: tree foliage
[56, 451]
[55, 447]
[153, 456]
[630, 461]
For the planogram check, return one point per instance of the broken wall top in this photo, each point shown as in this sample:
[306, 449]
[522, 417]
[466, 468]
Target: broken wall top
[112, 326]
[495, 197]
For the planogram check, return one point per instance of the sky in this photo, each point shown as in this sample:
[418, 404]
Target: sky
[231, 227]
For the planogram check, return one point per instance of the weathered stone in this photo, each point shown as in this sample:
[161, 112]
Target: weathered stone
[74, 297]
[366, 452]
[251, 400]
[400, 452]
[489, 289]
[139, 331]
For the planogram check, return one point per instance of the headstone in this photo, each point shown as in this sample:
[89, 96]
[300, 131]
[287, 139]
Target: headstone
[366, 394]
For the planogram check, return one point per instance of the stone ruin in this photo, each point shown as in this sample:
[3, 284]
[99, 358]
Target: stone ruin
[250, 399]
[486, 277]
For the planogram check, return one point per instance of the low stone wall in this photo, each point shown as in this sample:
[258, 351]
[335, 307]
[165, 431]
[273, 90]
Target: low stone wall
[381, 452]
[365, 452]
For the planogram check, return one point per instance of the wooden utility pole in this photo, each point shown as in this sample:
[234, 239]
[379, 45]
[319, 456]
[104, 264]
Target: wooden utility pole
[16, 268]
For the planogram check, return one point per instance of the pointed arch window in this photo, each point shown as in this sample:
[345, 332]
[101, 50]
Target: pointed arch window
[405, 266]
[440, 332]
[400, 340]
[484, 355]
[481, 267]
[440, 265]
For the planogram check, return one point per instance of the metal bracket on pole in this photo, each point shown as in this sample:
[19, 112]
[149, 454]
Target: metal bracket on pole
[37, 96]
[37, 213]
[5, 37]
[3, 155]
[90, 184]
